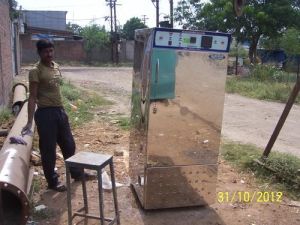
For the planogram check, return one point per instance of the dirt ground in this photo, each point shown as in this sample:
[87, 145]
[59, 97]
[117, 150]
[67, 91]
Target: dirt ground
[103, 135]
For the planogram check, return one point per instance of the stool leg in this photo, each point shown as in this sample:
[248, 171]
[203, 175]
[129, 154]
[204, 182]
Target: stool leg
[113, 183]
[101, 206]
[69, 195]
[85, 201]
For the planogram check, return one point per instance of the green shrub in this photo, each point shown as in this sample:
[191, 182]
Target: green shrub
[69, 91]
[263, 90]
[262, 72]
[5, 115]
[124, 123]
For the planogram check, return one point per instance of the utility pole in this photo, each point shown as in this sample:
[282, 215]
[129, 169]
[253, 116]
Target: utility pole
[157, 12]
[115, 35]
[111, 29]
[144, 18]
[171, 13]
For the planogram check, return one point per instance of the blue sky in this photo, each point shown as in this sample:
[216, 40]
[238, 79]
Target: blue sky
[84, 12]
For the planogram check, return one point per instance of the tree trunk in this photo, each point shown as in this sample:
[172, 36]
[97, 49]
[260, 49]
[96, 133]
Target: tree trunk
[253, 49]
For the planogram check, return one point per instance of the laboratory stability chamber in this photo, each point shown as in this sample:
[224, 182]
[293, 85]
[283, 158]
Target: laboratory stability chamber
[176, 114]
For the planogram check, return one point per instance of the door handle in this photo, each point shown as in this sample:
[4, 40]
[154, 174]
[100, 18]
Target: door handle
[157, 71]
[156, 84]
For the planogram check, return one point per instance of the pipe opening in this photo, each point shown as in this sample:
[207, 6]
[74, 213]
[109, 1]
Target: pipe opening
[11, 208]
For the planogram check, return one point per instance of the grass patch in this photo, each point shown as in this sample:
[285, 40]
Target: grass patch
[272, 91]
[284, 165]
[79, 104]
[5, 115]
[36, 185]
[43, 214]
[124, 123]
[264, 83]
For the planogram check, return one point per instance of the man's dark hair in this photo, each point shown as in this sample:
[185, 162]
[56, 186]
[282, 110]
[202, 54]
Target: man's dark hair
[44, 43]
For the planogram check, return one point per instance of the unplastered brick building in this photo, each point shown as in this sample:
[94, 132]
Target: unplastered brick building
[6, 56]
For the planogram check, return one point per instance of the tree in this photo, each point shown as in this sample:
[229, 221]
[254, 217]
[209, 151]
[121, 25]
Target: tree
[270, 43]
[13, 9]
[130, 26]
[290, 42]
[268, 18]
[95, 36]
[75, 28]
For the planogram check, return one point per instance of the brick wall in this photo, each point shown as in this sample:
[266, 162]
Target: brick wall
[71, 50]
[68, 50]
[102, 55]
[127, 51]
[6, 70]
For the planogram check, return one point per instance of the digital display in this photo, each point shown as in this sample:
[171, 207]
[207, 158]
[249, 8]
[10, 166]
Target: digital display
[206, 41]
[193, 40]
[196, 41]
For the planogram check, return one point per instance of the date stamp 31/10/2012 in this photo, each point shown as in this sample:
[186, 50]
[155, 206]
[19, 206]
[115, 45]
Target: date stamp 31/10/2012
[250, 197]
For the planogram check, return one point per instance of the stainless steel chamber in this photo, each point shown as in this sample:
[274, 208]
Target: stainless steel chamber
[177, 106]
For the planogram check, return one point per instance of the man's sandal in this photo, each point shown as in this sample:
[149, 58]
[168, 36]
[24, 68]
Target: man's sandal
[58, 187]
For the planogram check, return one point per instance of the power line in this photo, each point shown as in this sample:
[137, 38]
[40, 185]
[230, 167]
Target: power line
[59, 6]
[153, 3]
[58, 18]
[104, 17]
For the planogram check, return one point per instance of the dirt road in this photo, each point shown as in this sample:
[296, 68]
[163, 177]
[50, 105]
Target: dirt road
[245, 120]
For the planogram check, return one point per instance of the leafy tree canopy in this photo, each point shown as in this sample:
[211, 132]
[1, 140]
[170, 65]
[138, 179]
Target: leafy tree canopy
[13, 9]
[95, 36]
[75, 28]
[268, 18]
[130, 26]
[270, 43]
[290, 41]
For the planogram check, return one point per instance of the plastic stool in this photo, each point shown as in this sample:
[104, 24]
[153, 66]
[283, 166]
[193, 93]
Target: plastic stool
[92, 161]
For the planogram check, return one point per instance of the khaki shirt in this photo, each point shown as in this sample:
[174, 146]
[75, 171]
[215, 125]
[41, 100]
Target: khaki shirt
[49, 80]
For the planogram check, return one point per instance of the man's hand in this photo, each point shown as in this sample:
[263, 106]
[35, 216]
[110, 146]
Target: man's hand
[26, 130]
[33, 87]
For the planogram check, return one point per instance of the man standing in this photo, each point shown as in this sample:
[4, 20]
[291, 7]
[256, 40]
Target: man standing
[50, 117]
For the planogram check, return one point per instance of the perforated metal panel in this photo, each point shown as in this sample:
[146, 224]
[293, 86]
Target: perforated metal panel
[169, 187]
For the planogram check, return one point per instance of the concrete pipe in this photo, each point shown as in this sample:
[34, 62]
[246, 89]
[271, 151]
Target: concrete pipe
[19, 92]
[15, 180]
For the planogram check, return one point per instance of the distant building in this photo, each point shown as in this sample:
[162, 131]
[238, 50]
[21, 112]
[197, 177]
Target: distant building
[49, 25]
[52, 20]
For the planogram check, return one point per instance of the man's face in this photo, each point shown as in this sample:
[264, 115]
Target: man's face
[47, 54]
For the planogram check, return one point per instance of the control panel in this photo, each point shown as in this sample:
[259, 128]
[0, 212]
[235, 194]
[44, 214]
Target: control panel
[195, 40]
